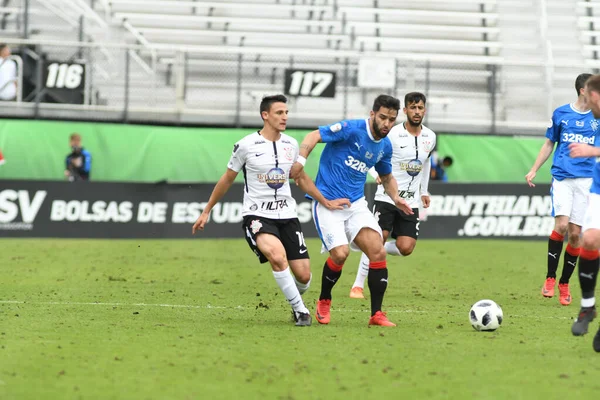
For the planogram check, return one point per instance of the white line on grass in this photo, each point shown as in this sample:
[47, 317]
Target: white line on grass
[210, 306]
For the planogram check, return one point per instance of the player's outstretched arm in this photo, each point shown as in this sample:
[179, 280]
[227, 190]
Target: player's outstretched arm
[391, 188]
[308, 144]
[581, 150]
[217, 194]
[308, 186]
[543, 155]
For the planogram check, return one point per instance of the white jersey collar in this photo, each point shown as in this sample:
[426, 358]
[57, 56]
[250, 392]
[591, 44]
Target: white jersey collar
[572, 105]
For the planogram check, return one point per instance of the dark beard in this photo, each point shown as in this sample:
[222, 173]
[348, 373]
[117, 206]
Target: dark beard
[413, 124]
[376, 131]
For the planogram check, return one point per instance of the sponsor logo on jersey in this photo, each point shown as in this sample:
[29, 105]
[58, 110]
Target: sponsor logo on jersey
[236, 147]
[274, 179]
[368, 155]
[577, 138]
[405, 194]
[253, 207]
[565, 122]
[274, 205]
[356, 165]
[580, 124]
[260, 142]
[412, 168]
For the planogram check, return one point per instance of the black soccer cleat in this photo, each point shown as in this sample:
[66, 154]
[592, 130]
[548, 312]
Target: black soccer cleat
[596, 342]
[303, 319]
[586, 315]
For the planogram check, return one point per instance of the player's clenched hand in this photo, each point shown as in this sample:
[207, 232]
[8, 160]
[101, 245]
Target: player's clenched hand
[530, 177]
[296, 170]
[577, 150]
[200, 222]
[378, 180]
[403, 205]
[337, 204]
[426, 201]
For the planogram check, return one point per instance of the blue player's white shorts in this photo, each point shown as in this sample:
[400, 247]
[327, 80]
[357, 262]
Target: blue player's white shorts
[592, 215]
[340, 227]
[570, 198]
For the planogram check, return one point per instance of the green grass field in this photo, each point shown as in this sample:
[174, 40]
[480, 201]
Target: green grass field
[201, 319]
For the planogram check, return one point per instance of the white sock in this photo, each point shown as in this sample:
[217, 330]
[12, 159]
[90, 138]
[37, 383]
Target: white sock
[303, 287]
[390, 248]
[363, 271]
[290, 291]
[588, 302]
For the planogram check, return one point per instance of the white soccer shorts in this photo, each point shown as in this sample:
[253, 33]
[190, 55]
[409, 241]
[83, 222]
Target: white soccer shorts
[340, 227]
[570, 198]
[592, 215]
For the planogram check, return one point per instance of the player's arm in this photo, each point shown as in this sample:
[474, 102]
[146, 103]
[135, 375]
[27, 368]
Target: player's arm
[391, 188]
[308, 186]
[217, 194]
[307, 145]
[543, 155]
[581, 150]
[425, 183]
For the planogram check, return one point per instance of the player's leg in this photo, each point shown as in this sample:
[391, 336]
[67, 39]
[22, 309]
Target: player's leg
[292, 239]
[562, 204]
[367, 241]
[262, 236]
[385, 214]
[364, 232]
[569, 262]
[588, 267]
[581, 191]
[406, 231]
[330, 227]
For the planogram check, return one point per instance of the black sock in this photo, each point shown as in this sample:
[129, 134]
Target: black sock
[378, 280]
[555, 245]
[570, 261]
[588, 272]
[329, 279]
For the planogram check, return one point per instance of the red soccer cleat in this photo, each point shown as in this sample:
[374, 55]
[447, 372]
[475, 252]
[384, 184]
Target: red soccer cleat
[548, 288]
[323, 315]
[380, 319]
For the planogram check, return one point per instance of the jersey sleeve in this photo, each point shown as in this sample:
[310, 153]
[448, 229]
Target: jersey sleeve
[238, 157]
[553, 131]
[336, 132]
[384, 166]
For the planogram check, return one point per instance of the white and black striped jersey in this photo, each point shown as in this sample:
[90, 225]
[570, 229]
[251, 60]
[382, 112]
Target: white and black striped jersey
[266, 166]
[410, 158]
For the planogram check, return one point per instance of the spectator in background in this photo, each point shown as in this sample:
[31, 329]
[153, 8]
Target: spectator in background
[439, 167]
[79, 161]
[8, 74]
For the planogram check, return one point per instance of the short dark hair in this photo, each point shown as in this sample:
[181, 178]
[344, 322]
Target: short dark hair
[414, 97]
[267, 101]
[593, 83]
[447, 160]
[580, 82]
[2, 46]
[383, 100]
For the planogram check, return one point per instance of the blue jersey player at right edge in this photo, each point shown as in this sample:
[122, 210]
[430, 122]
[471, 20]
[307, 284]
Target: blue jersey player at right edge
[352, 148]
[571, 181]
[589, 258]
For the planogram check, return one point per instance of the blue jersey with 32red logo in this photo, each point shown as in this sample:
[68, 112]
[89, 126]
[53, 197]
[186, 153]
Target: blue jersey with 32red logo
[572, 126]
[350, 151]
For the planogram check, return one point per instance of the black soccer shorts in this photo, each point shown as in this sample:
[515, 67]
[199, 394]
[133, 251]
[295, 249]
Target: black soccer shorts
[288, 231]
[394, 220]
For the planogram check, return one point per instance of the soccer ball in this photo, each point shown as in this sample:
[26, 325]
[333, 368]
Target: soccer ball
[485, 315]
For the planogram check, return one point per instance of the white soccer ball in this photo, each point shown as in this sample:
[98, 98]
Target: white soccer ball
[485, 315]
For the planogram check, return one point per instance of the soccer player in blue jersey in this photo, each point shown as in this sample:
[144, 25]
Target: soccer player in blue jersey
[589, 258]
[571, 181]
[352, 148]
